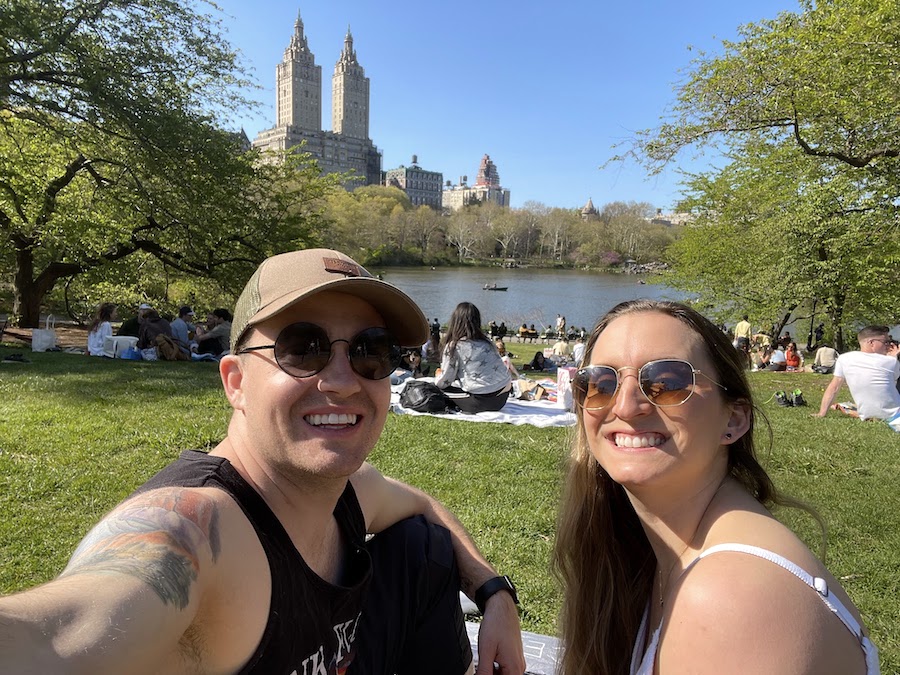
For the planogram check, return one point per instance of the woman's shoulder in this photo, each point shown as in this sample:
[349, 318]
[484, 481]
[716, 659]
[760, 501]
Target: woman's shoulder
[751, 598]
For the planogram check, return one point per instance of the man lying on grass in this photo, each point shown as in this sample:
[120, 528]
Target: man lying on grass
[253, 558]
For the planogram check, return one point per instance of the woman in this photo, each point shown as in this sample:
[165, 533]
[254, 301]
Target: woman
[504, 356]
[665, 517]
[792, 357]
[472, 374]
[101, 328]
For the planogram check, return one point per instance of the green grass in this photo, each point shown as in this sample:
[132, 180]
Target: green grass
[78, 434]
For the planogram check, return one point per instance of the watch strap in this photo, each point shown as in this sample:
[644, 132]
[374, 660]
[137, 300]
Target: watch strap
[492, 586]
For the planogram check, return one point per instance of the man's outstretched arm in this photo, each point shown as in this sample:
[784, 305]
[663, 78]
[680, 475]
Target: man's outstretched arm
[126, 597]
[386, 501]
[828, 397]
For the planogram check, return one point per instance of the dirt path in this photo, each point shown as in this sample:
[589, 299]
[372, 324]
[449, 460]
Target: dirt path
[66, 336]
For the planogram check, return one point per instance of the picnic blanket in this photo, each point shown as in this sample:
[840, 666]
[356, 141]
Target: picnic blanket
[543, 413]
[541, 651]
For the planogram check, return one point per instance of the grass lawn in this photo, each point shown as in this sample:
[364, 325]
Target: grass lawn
[78, 434]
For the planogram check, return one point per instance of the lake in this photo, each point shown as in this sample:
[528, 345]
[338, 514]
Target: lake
[535, 296]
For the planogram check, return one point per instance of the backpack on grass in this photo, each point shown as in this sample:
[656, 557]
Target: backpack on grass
[424, 397]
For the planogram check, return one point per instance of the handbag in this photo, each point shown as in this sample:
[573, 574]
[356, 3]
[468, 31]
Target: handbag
[43, 339]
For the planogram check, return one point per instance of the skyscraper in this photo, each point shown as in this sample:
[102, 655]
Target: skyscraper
[298, 98]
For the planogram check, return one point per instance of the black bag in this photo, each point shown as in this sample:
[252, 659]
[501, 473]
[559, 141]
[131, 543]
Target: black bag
[424, 397]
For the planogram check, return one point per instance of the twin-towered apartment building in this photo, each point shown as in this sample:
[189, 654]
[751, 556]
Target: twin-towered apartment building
[347, 147]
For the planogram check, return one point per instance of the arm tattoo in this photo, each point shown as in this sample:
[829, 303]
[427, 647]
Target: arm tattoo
[156, 537]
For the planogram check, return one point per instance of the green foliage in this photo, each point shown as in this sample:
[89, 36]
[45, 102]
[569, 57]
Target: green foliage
[777, 230]
[111, 146]
[804, 108]
[78, 434]
[824, 80]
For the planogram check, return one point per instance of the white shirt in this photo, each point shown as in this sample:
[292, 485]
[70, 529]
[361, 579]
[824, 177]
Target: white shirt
[578, 352]
[96, 338]
[872, 379]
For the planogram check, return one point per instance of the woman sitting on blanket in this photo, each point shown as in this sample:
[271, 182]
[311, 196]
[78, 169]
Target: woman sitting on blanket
[669, 557]
[101, 328]
[472, 375]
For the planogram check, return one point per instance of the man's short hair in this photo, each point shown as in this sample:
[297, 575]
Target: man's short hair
[280, 282]
[223, 314]
[870, 332]
[185, 311]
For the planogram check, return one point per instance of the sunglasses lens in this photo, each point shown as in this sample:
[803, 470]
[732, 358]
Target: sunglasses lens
[667, 382]
[595, 386]
[302, 349]
[374, 354]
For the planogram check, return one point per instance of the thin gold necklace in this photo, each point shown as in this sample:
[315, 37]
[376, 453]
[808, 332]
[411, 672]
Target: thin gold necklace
[662, 597]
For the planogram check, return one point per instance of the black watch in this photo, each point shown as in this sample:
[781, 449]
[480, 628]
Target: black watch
[492, 586]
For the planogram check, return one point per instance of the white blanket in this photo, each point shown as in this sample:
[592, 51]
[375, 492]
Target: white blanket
[541, 413]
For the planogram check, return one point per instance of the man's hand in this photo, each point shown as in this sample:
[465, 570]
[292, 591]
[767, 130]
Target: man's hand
[500, 638]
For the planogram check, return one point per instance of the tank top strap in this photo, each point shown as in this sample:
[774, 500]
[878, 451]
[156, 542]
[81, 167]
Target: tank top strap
[818, 584]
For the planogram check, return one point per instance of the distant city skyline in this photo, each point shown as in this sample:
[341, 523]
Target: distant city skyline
[545, 92]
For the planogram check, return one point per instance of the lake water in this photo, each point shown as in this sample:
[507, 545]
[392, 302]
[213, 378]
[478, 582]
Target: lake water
[535, 296]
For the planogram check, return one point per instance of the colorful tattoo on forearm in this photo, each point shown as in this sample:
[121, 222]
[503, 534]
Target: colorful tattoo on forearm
[157, 537]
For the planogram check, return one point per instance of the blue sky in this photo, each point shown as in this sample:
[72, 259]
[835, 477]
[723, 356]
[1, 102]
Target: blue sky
[546, 91]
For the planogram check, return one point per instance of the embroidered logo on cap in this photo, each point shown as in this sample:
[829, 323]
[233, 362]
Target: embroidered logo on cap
[345, 267]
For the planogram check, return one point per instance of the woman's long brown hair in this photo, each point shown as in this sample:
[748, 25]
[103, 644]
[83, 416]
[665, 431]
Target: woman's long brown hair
[602, 556]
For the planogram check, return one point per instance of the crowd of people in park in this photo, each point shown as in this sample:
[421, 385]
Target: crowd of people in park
[872, 373]
[283, 550]
[156, 337]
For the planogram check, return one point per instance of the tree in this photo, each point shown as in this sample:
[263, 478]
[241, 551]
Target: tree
[70, 206]
[123, 67]
[777, 232]
[804, 107]
[111, 145]
[825, 80]
[463, 233]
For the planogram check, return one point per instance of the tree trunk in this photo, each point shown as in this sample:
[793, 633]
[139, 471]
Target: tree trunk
[29, 291]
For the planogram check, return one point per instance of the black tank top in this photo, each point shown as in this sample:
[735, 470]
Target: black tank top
[312, 624]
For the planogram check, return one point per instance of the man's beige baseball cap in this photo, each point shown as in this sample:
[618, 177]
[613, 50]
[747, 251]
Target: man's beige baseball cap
[284, 280]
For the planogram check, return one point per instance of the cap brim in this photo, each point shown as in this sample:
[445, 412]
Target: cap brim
[401, 315]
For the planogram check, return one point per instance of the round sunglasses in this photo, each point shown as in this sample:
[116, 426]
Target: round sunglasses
[303, 349]
[664, 382]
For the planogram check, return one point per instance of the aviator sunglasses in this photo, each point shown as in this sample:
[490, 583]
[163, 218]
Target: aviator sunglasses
[303, 349]
[665, 382]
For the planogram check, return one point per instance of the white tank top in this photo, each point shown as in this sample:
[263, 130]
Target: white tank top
[643, 657]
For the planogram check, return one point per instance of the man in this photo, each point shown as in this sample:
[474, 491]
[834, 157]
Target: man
[132, 327]
[826, 357]
[216, 339]
[152, 324]
[871, 374]
[777, 359]
[183, 327]
[253, 558]
[578, 350]
[562, 351]
[743, 334]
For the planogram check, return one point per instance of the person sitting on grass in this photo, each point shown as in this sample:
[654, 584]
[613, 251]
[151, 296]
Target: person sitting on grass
[793, 359]
[669, 556]
[254, 558]
[505, 357]
[472, 375]
[826, 358]
[152, 325]
[101, 328]
[871, 374]
[215, 339]
[777, 360]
